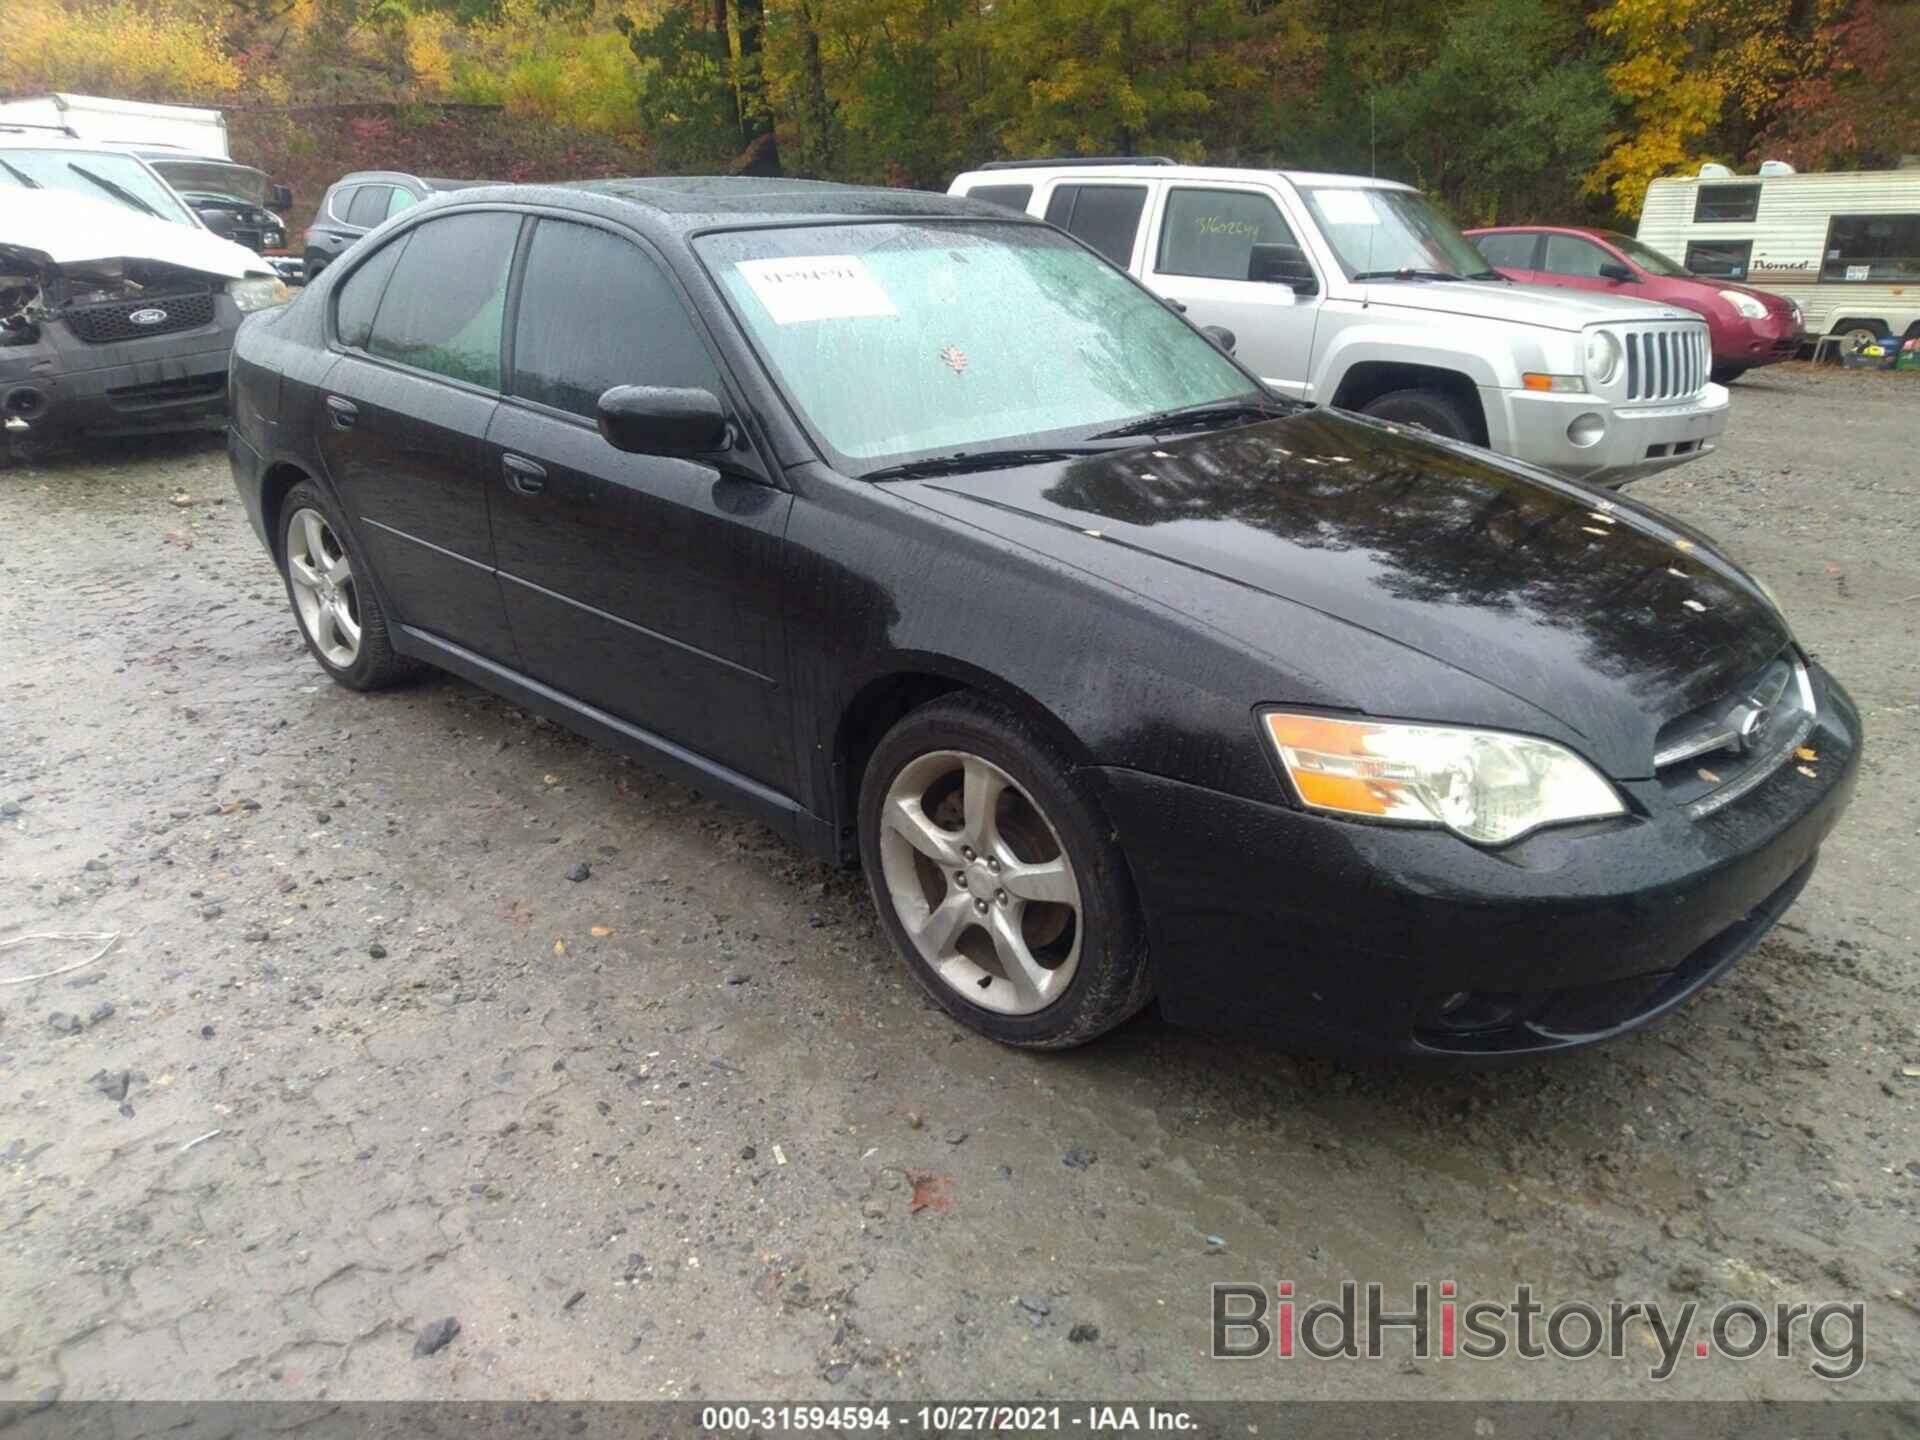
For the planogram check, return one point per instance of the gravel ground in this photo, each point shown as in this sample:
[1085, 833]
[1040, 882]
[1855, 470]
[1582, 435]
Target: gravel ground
[366, 1058]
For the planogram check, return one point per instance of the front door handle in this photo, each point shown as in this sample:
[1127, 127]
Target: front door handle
[344, 412]
[523, 476]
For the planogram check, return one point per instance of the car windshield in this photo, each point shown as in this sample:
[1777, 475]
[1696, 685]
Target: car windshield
[1648, 258]
[1382, 233]
[916, 338]
[218, 182]
[98, 174]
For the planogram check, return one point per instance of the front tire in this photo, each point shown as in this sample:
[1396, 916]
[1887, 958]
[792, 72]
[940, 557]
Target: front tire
[1424, 409]
[338, 613]
[997, 878]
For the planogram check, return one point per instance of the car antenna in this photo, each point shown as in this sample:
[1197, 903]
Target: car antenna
[1373, 172]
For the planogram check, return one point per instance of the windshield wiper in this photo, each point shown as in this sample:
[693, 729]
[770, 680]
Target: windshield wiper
[962, 461]
[22, 176]
[1408, 273]
[118, 191]
[1490, 275]
[1196, 417]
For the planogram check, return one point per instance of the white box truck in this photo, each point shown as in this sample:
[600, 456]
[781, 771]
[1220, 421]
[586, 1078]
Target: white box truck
[122, 122]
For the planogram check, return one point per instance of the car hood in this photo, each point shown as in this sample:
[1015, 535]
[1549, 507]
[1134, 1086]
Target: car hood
[61, 229]
[1519, 304]
[1599, 612]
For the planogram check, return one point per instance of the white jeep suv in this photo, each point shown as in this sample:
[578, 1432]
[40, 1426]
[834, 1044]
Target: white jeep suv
[1360, 293]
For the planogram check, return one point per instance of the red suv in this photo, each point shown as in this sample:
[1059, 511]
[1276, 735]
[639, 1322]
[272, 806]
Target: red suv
[1749, 327]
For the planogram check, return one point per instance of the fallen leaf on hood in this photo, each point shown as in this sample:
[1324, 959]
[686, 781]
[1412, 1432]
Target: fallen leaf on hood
[1803, 753]
[1810, 774]
[929, 1191]
[1708, 776]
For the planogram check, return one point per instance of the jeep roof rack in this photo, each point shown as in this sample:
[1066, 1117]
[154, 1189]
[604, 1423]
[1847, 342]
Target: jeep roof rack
[1078, 161]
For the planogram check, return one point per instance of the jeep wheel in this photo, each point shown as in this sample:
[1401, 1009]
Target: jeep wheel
[1424, 409]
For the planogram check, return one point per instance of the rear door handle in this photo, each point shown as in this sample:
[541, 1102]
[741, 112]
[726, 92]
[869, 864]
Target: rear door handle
[345, 412]
[523, 475]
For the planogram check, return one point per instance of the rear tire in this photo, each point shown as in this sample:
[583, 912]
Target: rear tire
[1424, 409]
[334, 603]
[1727, 374]
[997, 878]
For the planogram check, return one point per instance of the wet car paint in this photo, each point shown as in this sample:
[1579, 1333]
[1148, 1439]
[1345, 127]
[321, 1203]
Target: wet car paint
[1139, 607]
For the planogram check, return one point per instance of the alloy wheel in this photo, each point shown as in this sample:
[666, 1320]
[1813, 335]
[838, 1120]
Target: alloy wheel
[324, 591]
[980, 882]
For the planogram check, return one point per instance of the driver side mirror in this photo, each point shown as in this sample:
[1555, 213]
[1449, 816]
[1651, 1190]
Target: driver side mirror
[1220, 336]
[662, 420]
[281, 198]
[1615, 271]
[1282, 265]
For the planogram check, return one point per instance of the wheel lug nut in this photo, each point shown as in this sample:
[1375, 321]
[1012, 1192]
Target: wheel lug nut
[960, 878]
[966, 851]
[980, 906]
[1001, 896]
[993, 865]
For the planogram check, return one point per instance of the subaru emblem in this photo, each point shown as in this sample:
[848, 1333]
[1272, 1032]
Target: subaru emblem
[148, 316]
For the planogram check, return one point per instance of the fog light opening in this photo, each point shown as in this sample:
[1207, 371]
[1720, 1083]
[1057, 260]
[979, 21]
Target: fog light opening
[23, 402]
[1588, 429]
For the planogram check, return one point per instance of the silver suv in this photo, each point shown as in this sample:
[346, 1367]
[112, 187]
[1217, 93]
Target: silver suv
[1360, 293]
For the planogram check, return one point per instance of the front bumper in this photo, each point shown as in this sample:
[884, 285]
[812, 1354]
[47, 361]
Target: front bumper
[1753, 343]
[1342, 936]
[1635, 442]
[59, 387]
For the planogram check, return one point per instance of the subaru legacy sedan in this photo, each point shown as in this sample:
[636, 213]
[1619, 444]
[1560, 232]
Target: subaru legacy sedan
[936, 542]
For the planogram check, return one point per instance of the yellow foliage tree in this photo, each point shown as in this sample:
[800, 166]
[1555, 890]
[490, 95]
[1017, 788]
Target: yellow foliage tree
[144, 52]
[1686, 67]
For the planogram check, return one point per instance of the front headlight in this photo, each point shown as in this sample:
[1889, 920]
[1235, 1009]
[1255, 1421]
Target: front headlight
[1603, 357]
[1745, 304]
[258, 293]
[1486, 786]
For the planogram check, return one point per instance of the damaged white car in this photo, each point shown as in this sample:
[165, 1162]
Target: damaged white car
[113, 321]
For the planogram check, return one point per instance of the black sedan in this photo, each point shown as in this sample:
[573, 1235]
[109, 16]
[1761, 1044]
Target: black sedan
[935, 541]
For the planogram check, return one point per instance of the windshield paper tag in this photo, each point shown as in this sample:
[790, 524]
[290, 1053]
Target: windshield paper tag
[1346, 207]
[816, 287]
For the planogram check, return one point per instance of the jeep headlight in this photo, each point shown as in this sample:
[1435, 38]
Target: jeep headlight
[1486, 786]
[258, 292]
[1745, 304]
[1603, 357]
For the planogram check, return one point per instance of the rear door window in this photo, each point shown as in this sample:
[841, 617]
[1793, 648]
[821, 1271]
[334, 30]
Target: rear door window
[369, 206]
[446, 301]
[1013, 197]
[1106, 217]
[572, 341]
[1211, 233]
[1507, 252]
[401, 199]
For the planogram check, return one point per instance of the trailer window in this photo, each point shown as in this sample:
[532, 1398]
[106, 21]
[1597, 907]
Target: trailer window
[1882, 248]
[1726, 204]
[1720, 259]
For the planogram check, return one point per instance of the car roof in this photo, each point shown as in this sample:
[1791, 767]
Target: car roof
[684, 204]
[1013, 174]
[402, 177]
[30, 139]
[1592, 232]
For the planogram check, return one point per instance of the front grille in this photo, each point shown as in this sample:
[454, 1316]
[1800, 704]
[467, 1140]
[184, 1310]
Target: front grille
[161, 394]
[110, 323]
[1667, 362]
[1713, 755]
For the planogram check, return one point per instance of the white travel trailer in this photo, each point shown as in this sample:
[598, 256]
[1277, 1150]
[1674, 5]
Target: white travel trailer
[1846, 246]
